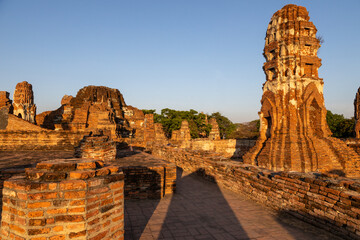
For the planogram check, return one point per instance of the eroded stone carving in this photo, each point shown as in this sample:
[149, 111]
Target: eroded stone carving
[23, 105]
[294, 134]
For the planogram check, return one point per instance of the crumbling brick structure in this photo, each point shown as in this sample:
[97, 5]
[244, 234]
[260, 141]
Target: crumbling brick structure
[99, 107]
[183, 134]
[5, 101]
[294, 134]
[357, 113]
[64, 199]
[23, 105]
[215, 131]
[99, 147]
[93, 107]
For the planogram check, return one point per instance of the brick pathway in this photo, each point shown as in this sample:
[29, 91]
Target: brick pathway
[202, 210]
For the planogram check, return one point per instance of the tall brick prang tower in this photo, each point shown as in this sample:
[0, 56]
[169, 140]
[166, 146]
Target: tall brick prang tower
[357, 113]
[24, 106]
[294, 134]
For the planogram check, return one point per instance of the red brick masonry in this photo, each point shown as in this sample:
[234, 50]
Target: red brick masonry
[64, 199]
[329, 203]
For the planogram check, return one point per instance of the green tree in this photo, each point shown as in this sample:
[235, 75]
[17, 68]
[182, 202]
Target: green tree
[171, 120]
[148, 111]
[340, 126]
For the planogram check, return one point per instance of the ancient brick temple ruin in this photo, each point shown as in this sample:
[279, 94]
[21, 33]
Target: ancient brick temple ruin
[23, 105]
[93, 107]
[183, 134]
[294, 134]
[215, 131]
[99, 107]
[357, 113]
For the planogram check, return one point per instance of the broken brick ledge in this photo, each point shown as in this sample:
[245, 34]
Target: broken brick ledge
[64, 199]
[326, 201]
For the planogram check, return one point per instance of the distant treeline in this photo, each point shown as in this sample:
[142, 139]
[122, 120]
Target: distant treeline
[199, 128]
[170, 119]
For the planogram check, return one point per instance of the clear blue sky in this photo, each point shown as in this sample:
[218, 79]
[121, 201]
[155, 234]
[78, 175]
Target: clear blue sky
[182, 54]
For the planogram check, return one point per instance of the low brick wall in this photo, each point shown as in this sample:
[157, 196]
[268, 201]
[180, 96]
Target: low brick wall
[148, 182]
[39, 140]
[64, 199]
[146, 177]
[230, 148]
[329, 203]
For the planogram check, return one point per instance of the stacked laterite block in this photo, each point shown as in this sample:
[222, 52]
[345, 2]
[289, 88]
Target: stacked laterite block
[64, 199]
[96, 147]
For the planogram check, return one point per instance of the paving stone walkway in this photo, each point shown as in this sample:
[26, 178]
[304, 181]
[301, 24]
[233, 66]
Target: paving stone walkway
[201, 210]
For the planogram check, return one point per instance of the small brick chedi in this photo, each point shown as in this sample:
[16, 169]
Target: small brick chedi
[215, 131]
[23, 104]
[64, 199]
[183, 134]
[357, 113]
[294, 134]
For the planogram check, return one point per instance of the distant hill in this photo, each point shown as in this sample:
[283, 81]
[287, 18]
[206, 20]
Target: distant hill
[247, 130]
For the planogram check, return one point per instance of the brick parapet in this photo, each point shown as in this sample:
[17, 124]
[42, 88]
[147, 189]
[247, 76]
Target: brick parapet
[64, 199]
[39, 140]
[329, 203]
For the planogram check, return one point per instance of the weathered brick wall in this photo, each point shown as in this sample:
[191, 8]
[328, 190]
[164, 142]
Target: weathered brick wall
[230, 148]
[64, 199]
[39, 140]
[354, 143]
[329, 203]
[145, 177]
[96, 147]
[149, 182]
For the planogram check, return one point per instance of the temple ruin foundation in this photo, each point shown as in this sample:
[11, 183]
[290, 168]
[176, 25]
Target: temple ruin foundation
[64, 199]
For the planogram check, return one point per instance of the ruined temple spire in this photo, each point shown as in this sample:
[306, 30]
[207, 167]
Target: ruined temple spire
[294, 134]
[24, 106]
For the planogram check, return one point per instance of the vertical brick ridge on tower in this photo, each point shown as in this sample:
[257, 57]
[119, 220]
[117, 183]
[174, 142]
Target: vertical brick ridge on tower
[357, 113]
[64, 199]
[294, 135]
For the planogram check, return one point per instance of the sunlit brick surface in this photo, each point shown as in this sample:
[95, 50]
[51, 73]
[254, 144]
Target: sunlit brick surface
[64, 199]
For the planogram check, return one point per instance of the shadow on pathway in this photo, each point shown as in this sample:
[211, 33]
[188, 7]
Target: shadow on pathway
[201, 210]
